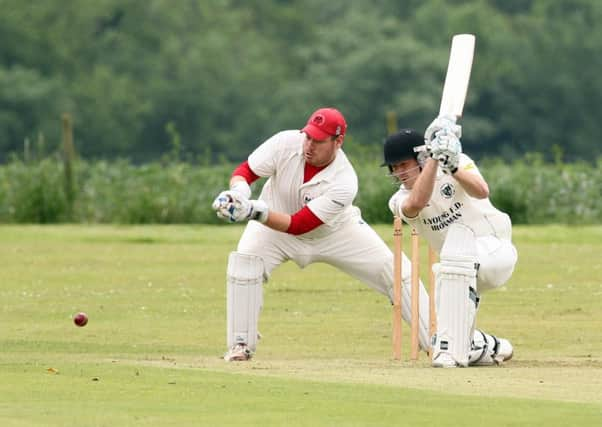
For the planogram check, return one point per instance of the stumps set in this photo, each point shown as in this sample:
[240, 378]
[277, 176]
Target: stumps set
[415, 291]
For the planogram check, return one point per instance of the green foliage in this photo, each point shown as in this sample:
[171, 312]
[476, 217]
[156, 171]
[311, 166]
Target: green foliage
[530, 190]
[116, 192]
[153, 193]
[228, 74]
[33, 193]
[535, 192]
[27, 103]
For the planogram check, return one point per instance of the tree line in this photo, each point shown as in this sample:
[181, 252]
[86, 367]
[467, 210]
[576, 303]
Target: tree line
[209, 79]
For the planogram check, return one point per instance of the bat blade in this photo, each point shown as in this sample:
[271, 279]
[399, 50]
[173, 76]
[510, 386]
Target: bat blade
[457, 78]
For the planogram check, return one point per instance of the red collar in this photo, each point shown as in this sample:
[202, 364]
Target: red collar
[311, 171]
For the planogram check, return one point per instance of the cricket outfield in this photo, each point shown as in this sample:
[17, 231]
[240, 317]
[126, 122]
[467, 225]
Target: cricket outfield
[151, 352]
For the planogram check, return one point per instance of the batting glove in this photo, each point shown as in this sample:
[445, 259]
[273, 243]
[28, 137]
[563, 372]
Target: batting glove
[449, 165]
[446, 149]
[442, 123]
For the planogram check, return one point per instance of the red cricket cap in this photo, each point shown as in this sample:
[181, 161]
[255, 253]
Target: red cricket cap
[324, 123]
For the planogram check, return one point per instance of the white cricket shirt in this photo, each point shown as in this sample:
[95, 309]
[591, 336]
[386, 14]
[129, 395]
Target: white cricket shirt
[450, 203]
[329, 194]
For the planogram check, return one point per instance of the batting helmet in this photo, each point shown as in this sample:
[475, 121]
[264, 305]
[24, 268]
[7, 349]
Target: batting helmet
[400, 146]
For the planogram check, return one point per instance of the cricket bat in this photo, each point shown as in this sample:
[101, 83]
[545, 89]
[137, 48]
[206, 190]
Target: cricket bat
[457, 78]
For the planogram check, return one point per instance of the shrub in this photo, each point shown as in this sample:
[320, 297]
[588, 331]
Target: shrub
[33, 193]
[530, 190]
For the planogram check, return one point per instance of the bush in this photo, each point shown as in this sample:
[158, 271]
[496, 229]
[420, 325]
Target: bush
[33, 193]
[535, 192]
[529, 190]
[116, 192]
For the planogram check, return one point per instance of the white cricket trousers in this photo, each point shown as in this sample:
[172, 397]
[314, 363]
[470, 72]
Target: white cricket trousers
[497, 258]
[355, 249]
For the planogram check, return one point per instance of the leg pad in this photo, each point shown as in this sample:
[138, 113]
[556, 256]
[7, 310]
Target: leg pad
[244, 286]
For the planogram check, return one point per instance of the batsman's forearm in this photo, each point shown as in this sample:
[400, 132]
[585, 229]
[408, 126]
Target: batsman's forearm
[473, 183]
[422, 189]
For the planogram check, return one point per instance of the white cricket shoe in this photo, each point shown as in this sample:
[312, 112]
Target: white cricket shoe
[238, 353]
[487, 350]
[444, 360]
[504, 352]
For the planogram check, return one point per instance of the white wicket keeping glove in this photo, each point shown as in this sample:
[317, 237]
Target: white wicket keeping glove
[242, 188]
[241, 209]
[442, 123]
[224, 204]
[223, 199]
[259, 211]
[246, 210]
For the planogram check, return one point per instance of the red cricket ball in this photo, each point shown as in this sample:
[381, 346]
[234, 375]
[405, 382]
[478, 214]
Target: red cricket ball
[80, 319]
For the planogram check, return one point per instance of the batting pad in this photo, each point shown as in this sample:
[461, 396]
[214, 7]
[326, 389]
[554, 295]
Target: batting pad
[245, 293]
[456, 297]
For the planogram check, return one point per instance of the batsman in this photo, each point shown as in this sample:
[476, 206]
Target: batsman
[446, 199]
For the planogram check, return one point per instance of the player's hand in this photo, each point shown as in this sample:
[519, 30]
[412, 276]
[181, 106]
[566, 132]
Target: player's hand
[442, 123]
[222, 200]
[259, 211]
[449, 165]
[236, 208]
[238, 191]
[445, 144]
[225, 204]
[245, 210]
[446, 149]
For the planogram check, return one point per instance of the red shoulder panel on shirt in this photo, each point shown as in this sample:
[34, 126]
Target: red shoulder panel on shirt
[303, 222]
[245, 171]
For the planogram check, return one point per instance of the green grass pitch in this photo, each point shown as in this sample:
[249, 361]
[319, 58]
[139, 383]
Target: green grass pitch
[151, 352]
